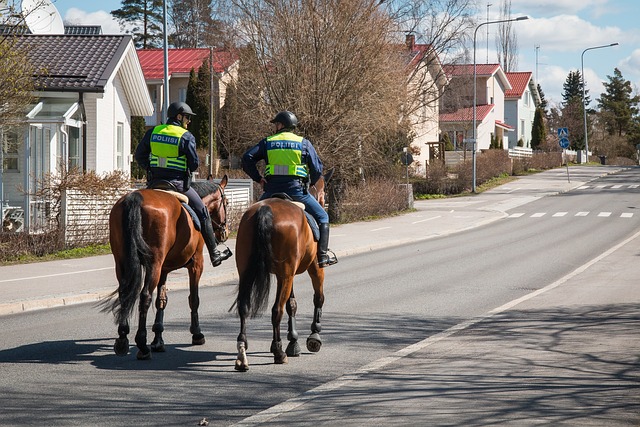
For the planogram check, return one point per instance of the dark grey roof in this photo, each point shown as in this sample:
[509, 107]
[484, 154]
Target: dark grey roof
[82, 30]
[73, 63]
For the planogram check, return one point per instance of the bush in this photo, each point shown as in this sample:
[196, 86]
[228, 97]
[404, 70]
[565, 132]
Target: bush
[370, 199]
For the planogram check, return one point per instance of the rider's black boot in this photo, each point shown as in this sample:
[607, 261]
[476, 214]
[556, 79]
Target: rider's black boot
[210, 240]
[324, 258]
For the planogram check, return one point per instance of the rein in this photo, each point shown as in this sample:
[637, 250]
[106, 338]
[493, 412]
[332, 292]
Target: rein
[222, 225]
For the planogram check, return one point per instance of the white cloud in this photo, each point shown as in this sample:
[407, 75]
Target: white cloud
[630, 68]
[544, 7]
[566, 33]
[78, 17]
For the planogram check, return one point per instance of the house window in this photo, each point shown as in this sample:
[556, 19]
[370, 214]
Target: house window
[10, 151]
[522, 129]
[526, 98]
[182, 94]
[120, 146]
[75, 148]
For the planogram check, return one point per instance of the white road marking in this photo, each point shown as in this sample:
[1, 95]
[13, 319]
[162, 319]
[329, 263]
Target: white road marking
[295, 402]
[626, 215]
[516, 215]
[538, 214]
[559, 214]
[44, 276]
[582, 214]
[381, 228]
[427, 219]
[604, 214]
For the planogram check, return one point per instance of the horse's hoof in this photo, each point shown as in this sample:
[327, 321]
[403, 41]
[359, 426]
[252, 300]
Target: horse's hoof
[241, 367]
[314, 343]
[158, 347]
[280, 359]
[143, 356]
[197, 339]
[293, 349]
[121, 346]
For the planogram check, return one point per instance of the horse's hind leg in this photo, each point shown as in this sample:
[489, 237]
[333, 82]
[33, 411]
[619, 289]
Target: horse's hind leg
[242, 363]
[293, 349]
[317, 279]
[195, 271]
[152, 278]
[157, 344]
[277, 312]
[121, 346]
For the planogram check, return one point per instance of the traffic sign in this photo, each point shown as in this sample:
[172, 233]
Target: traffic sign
[563, 132]
[564, 142]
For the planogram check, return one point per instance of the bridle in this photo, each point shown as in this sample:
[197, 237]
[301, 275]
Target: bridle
[221, 226]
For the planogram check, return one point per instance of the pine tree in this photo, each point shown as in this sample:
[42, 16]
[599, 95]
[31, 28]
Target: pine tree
[538, 130]
[573, 109]
[572, 89]
[618, 105]
[543, 101]
[142, 19]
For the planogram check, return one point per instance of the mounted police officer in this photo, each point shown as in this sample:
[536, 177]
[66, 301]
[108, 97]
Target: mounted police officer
[291, 163]
[168, 153]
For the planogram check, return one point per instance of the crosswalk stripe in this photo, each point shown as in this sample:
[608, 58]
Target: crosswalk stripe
[563, 214]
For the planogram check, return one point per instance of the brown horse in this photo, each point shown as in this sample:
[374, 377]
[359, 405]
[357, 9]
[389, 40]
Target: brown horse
[152, 234]
[275, 238]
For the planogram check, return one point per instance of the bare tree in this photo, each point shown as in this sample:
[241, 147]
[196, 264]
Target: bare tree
[507, 41]
[16, 72]
[331, 63]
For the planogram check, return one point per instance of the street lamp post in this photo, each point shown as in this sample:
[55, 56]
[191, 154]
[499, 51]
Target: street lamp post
[475, 94]
[584, 105]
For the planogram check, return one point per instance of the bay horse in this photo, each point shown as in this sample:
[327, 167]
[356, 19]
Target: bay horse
[274, 237]
[152, 234]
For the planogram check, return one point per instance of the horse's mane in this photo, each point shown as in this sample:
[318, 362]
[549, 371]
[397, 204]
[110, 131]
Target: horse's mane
[204, 188]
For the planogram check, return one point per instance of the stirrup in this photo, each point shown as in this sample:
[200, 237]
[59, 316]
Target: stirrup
[328, 259]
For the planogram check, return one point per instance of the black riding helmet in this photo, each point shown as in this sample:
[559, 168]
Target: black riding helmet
[286, 118]
[179, 108]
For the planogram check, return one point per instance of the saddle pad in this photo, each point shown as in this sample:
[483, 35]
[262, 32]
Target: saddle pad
[183, 198]
[194, 217]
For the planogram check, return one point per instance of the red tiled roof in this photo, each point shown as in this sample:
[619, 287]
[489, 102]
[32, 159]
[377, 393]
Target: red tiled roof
[466, 114]
[182, 61]
[467, 69]
[519, 82]
[503, 125]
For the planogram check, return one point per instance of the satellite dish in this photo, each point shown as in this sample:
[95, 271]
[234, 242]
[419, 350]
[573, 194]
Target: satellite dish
[42, 17]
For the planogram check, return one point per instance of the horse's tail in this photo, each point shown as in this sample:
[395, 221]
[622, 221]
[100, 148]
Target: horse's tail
[136, 256]
[255, 283]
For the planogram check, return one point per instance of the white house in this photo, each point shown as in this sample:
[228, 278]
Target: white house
[425, 85]
[90, 87]
[456, 113]
[520, 106]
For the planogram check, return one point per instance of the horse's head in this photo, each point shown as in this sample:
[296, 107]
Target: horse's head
[317, 190]
[216, 203]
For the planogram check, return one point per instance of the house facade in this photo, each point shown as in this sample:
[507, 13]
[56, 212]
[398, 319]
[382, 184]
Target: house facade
[181, 62]
[90, 88]
[520, 106]
[425, 85]
[456, 112]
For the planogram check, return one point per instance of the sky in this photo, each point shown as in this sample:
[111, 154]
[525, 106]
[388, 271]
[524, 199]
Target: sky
[550, 42]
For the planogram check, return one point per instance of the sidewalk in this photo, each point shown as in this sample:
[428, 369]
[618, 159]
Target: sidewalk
[65, 282]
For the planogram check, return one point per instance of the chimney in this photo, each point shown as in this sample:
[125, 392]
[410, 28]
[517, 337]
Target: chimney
[410, 41]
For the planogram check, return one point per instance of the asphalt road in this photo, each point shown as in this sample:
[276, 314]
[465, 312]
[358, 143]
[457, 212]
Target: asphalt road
[528, 318]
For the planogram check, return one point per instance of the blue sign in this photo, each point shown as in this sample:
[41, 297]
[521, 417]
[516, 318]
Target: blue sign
[564, 142]
[563, 132]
